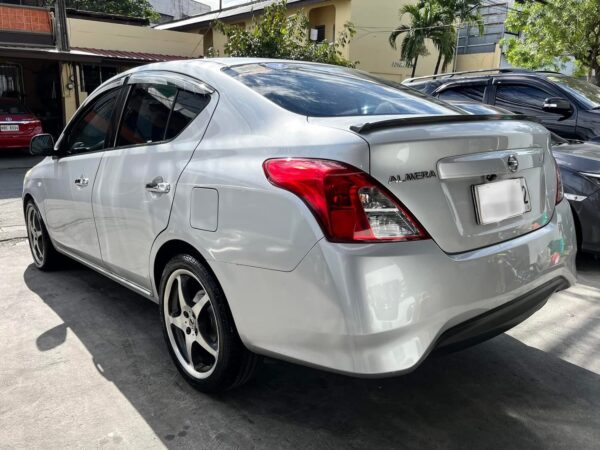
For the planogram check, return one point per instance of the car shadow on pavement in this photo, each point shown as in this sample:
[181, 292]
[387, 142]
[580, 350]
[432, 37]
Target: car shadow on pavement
[499, 394]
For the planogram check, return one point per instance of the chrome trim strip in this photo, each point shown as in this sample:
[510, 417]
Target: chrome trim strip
[593, 175]
[122, 281]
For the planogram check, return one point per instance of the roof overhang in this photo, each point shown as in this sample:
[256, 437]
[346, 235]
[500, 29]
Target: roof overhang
[85, 55]
[233, 12]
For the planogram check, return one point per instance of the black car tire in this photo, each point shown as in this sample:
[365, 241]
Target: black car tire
[233, 365]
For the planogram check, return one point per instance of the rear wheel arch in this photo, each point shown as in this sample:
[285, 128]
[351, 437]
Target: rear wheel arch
[167, 251]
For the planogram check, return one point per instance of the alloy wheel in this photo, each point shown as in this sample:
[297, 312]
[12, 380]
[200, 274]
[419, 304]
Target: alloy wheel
[35, 234]
[191, 324]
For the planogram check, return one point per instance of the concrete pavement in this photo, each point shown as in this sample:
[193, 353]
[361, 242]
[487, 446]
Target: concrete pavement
[84, 365]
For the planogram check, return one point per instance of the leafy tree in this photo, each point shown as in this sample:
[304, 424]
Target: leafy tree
[130, 8]
[275, 34]
[553, 33]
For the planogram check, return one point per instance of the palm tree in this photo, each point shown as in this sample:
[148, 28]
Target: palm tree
[444, 40]
[465, 11]
[424, 19]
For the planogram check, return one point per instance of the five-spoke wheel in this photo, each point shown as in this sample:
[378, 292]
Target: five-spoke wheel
[192, 327]
[45, 257]
[199, 327]
[35, 233]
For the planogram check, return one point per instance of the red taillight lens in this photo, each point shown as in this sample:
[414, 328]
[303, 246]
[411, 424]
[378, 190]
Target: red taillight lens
[349, 204]
[560, 192]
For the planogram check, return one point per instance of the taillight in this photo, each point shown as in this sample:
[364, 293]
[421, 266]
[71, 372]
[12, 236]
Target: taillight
[348, 203]
[560, 192]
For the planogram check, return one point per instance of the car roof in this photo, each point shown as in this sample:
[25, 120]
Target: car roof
[478, 75]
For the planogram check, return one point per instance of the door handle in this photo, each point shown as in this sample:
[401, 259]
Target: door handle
[81, 181]
[158, 186]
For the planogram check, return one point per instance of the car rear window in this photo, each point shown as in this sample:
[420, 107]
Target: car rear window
[329, 91]
[10, 107]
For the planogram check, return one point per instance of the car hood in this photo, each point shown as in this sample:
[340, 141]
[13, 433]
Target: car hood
[584, 157]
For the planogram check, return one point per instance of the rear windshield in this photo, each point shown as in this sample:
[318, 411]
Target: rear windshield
[329, 91]
[12, 107]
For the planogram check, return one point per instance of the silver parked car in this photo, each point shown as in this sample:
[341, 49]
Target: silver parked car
[302, 211]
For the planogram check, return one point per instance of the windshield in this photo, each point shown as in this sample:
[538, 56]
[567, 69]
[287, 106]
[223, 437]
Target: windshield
[328, 91]
[587, 94]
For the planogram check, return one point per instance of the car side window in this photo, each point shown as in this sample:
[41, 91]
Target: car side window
[470, 92]
[187, 106]
[158, 112]
[518, 96]
[90, 131]
[146, 114]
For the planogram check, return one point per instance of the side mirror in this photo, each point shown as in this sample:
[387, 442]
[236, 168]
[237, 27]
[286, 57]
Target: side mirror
[558, 105]
[42, 145]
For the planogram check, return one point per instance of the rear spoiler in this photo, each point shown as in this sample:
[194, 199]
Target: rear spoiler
[434, 120]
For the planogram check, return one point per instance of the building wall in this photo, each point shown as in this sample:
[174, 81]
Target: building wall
[324, 15]
[112, 36]
[478, 61]
[320, 14]
[17, 18]
[375, 20]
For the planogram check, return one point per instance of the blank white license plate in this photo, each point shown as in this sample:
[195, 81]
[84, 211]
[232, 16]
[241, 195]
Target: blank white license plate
[501, 200]
[9, 127]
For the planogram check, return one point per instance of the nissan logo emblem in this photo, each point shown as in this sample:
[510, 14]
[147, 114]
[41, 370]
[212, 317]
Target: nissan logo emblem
[513, 163]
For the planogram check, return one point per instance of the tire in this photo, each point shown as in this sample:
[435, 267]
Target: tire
[45, 256]
[200, 332]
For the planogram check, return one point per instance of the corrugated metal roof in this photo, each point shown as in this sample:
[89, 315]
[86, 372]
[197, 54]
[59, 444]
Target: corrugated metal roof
[131, 56]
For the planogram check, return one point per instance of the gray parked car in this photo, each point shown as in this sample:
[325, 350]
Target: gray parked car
[302, 211]
[579, 164]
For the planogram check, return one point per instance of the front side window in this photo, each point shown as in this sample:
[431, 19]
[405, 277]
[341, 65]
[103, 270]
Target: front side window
[587, 93]
[516, 97]
[471, 93]
[90, 131]
[324, 91]
[158, 112]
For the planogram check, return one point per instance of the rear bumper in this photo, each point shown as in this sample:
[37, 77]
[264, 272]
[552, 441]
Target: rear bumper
[379, 309]
[498, 320]
[15, 141]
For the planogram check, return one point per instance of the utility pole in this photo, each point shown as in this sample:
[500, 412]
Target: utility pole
[60, 26]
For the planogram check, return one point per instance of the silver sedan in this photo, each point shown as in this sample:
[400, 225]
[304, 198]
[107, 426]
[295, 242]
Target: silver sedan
[302, 211]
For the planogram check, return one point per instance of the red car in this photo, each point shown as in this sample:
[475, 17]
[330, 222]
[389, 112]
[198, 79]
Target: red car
[17, 124]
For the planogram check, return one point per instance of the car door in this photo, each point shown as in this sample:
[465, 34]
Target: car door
[68, 188]
[527, 97]
[163, 120]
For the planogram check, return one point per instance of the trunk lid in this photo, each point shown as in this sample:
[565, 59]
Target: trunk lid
[16, 124]
[432, 169]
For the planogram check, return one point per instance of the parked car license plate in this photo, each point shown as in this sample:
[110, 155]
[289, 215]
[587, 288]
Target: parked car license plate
[501, 200]
[9, 127]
